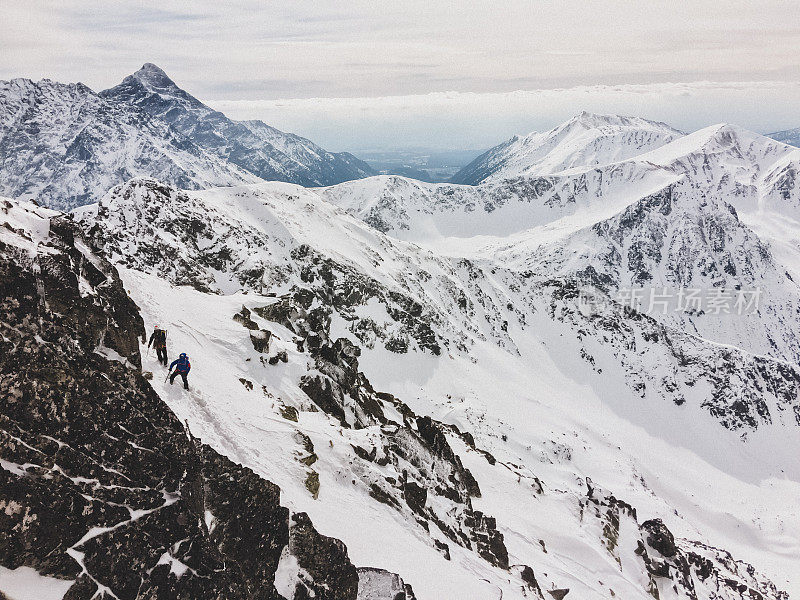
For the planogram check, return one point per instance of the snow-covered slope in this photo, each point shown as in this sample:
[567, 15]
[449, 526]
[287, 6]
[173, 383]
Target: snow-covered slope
[105, 493]
[716, 209]
[587, 140]
[556, 436]
[415, 365]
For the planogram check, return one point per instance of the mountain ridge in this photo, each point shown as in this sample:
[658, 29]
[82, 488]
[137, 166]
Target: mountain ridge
[328, 261]
[252, 145]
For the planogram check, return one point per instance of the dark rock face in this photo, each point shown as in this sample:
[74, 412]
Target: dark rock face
[527, 575]
[415, 497]
[342, 288]
[489, 542]
[660, 538]
[100, 483]
[330, 575]
[243, 317]
[82, 287]
[280, 356]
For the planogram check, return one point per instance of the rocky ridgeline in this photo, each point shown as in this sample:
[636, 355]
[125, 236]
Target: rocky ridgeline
[100, 483]
[678, 568]
[253, 146]
[66, 145]
[433, 305]
[741, 391]
[433, 489]
[680, 239]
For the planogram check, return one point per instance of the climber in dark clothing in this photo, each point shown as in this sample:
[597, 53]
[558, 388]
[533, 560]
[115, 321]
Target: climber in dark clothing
[159, 339]
[182, 368]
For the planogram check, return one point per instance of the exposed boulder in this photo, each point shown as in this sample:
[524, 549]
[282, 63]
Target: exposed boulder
[326, 572]
[378, 584]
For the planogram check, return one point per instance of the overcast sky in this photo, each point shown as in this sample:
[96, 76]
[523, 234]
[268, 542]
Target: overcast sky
[513, 66]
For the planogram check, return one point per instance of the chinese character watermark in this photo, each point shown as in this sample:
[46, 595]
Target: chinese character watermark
[663, 300]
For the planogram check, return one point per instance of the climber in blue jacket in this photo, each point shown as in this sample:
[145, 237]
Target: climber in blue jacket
[182, 367]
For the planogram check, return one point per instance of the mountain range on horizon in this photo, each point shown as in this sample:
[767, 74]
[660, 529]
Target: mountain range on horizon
[399, 390]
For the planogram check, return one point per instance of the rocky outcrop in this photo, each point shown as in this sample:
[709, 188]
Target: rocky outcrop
[692, 570]
[435, 488]
[378, 584]
[326, 572]
[71, 279]
[100, 484]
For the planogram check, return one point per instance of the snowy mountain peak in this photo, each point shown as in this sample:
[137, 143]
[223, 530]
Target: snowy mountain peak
[725, 142]
[66, 145]
[152, 89]
[586, 140]
[153, 76]
[595, 120]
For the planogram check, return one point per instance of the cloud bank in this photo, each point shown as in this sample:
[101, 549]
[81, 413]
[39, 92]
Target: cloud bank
[245, 49]
[449, 120]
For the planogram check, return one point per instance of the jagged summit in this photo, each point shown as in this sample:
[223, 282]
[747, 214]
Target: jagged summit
[151, 70]
[153, 76]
